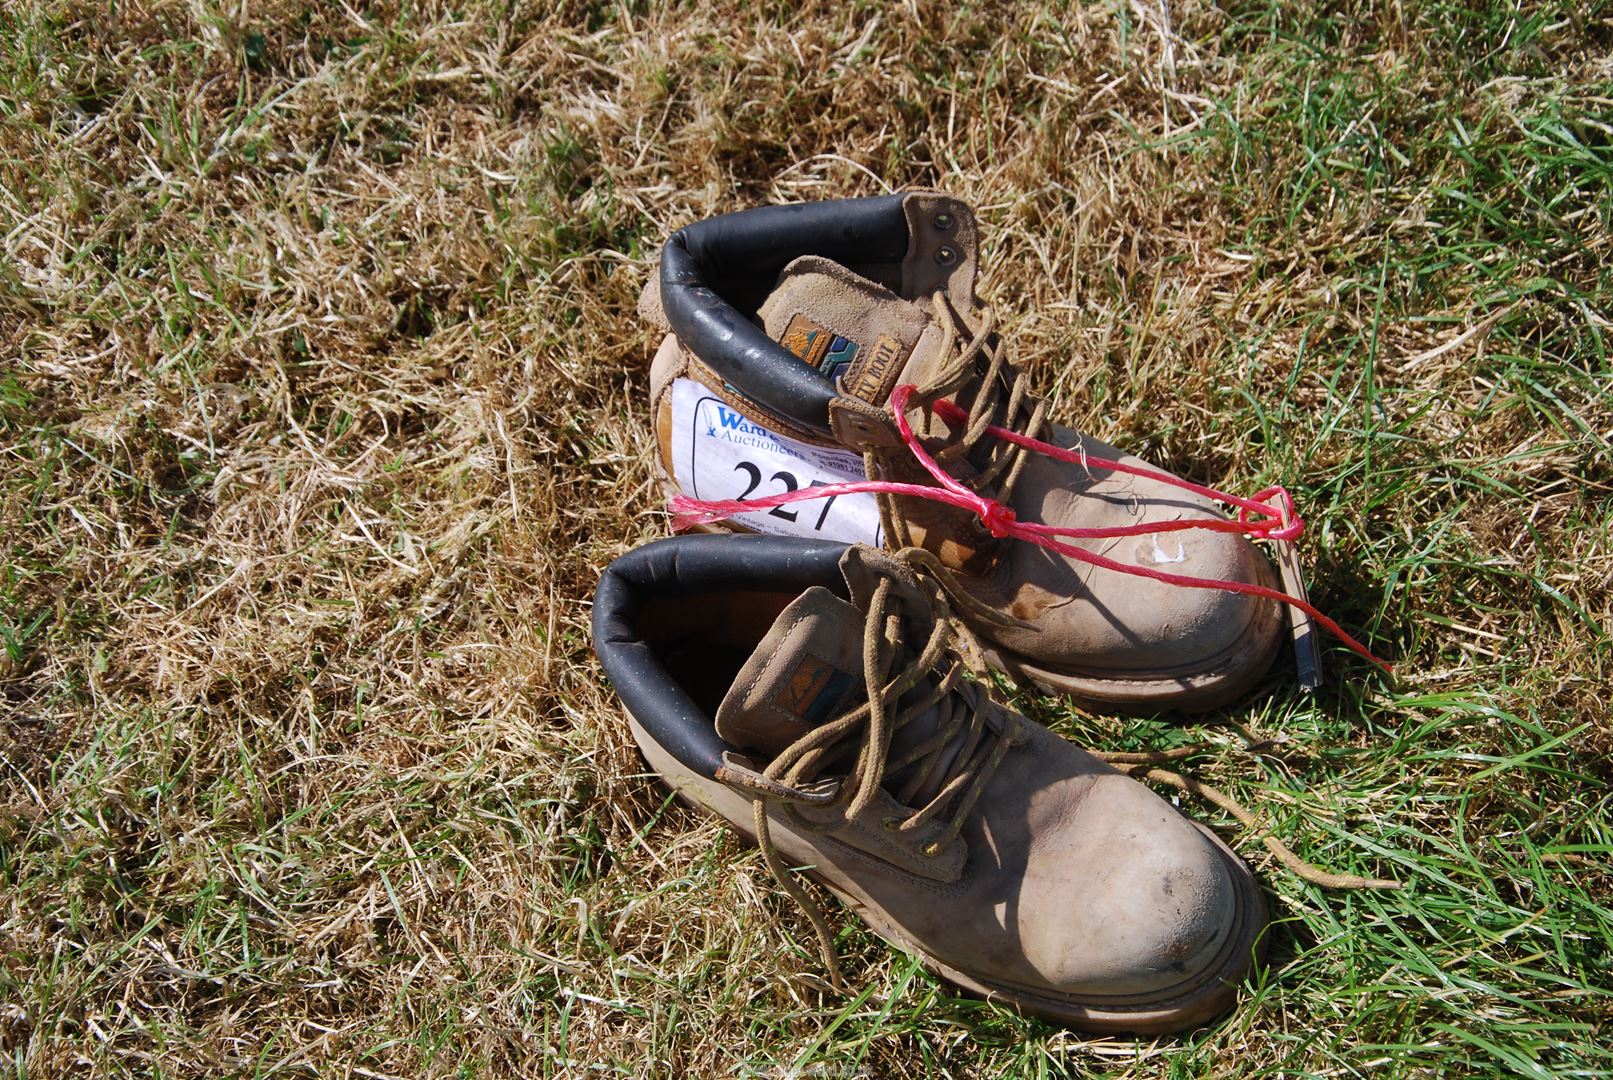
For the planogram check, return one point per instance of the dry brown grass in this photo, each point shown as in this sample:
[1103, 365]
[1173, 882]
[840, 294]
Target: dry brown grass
[322, 405]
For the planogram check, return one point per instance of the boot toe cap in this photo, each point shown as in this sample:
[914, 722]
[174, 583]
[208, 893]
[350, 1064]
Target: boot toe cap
[1094, 618]
[1158, 909]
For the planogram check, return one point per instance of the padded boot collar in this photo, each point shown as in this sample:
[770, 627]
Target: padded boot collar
[693, 567]
[715, 274]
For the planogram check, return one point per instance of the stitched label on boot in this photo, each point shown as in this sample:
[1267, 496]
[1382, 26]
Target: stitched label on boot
[814, 692]
[828, 352]
[864, 373]
[718, 453]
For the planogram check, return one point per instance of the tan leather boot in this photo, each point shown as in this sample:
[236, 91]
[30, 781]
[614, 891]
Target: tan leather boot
[807, 693]
[792, 326]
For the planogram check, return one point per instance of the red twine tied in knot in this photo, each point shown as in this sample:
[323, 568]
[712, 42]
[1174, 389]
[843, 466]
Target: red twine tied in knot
[999, 520]
[1268, 516]
[1285, 508]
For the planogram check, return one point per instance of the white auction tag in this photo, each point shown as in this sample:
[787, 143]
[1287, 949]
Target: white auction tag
[718, 453]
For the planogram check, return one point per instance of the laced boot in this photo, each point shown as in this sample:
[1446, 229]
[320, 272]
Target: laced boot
[794, 328]
[809, 694]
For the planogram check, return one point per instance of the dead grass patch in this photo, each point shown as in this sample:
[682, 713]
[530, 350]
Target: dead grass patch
[322, 405]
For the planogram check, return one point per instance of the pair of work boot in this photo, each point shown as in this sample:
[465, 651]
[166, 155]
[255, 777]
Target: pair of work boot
[829, 377]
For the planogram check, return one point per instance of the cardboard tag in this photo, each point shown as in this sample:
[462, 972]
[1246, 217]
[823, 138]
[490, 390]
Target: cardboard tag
[1307, 654]
[718, 453]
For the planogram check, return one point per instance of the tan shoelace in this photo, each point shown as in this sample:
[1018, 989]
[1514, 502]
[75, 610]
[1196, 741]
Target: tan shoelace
[1145, 766]
[965, 712]
[1023, 411]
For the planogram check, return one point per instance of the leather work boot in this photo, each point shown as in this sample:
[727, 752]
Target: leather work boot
[790, 328]
[807, 693]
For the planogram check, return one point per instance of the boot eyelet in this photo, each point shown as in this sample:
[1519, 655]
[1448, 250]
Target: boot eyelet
[931, 850]
[891, 824]
[946, 255]
[943, 222]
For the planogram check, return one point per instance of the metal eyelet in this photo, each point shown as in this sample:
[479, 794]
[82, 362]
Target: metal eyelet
[943, 222]
[931, 850]
[946, 255]
[892, 824]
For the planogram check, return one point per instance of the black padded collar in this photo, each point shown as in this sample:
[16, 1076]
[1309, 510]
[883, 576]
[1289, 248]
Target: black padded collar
[715, 273]
[692, 566]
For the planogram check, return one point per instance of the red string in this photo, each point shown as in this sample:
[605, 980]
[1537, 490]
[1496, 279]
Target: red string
[1259, 517]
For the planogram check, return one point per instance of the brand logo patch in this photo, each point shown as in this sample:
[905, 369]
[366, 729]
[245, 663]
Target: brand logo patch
[814, 691]
[825, 350]
[868, 379]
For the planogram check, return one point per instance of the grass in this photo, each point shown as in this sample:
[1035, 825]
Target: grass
[322, 404]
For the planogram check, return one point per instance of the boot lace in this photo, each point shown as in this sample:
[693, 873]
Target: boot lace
[1001, 398]
[900, 687]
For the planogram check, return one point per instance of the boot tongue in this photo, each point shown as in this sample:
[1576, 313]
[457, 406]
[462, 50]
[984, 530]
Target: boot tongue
[859, 333]
[807, 670]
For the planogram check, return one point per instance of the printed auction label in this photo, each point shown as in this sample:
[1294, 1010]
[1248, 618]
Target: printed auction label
[718, 453]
